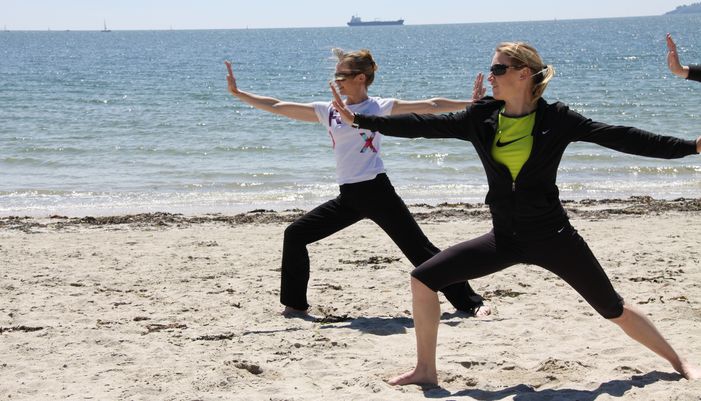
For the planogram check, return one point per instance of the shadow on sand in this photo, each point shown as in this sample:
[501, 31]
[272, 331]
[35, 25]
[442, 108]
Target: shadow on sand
[522, 392]
[379, 326]
[385, 326]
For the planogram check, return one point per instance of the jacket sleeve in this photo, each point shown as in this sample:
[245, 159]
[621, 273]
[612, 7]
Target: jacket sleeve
[694, 73]
[452, 125]
[628, 139]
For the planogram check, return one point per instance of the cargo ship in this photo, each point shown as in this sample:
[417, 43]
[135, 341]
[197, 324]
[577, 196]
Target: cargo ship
[357, 21]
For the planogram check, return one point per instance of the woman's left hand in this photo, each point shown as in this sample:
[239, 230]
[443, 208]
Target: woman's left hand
[478, 89]
[343, 110]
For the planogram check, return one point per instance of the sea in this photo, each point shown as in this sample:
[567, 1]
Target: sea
[106, 123]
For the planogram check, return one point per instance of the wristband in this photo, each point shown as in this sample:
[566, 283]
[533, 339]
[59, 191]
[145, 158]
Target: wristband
[355, 123]
[694, 73]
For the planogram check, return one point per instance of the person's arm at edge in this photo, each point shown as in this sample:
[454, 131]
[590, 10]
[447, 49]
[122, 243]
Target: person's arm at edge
[296, 111]
[675, 67]
[690, 72]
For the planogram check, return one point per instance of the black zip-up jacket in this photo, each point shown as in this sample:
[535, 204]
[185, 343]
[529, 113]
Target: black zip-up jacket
[530, 205]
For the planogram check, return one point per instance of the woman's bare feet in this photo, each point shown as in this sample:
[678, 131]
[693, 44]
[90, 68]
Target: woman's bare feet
[689, 371]
[415, 376]
[289, 312]
[482, 311]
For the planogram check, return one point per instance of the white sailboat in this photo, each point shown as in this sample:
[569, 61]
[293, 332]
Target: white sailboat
[105, 27]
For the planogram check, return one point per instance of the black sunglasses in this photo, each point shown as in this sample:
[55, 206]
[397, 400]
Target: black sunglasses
[500, 69]
[345, 75]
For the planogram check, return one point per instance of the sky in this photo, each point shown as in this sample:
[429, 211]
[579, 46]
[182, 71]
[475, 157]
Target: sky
[236, 14]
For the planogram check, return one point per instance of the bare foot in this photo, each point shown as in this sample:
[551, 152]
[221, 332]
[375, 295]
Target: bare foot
[482, 311]
[689, 371]
[414, 377]
[289, 313]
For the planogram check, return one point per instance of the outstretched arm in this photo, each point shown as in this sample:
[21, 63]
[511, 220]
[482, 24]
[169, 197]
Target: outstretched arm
[411, 125]
[439, 104]
[296, 111]
[629, 140]
[691, 72]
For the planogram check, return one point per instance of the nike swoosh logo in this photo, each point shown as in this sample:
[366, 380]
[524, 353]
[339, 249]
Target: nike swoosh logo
[501, 144]
[545, 132]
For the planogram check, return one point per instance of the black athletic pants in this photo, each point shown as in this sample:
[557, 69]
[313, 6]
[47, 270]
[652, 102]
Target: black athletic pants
[564, 253]
[376, 200]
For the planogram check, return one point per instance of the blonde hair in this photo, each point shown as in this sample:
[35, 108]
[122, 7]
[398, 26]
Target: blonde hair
[360, 61]
[524, 55]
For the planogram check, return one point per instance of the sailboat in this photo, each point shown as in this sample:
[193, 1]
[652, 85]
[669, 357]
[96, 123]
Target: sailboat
[105, 27]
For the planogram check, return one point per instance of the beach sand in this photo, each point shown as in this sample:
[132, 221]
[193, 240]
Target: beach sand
[172, 307]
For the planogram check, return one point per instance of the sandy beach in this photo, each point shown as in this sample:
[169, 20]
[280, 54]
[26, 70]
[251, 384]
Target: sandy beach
[172, 307]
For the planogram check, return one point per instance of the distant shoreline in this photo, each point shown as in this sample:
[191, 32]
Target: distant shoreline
[694, 8]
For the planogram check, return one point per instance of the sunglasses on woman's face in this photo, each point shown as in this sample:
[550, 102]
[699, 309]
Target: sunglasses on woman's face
[341, 75]
[500, 69]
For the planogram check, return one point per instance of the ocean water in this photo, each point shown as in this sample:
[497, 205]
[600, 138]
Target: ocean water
[96, 123]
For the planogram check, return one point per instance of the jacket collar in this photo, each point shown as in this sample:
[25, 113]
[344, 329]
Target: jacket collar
[493, 119]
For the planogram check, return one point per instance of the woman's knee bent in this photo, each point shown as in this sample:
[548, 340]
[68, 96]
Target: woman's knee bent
[613, 311]
[419, 289]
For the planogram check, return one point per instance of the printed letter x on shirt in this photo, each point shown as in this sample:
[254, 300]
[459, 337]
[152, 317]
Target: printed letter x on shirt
[368, 142]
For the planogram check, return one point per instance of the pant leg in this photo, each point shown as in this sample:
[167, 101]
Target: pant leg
[568, 256]
[390, 212]
[319, 223]
[467, 260]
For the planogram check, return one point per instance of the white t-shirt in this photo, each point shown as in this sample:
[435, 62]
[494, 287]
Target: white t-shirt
[357, 150]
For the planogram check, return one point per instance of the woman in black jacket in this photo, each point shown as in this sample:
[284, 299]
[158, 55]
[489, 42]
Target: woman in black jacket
[690, 72]
[520, 139]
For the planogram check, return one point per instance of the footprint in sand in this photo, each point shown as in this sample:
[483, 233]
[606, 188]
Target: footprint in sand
[245, 365]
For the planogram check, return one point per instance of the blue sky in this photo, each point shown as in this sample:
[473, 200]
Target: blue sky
[226, 14]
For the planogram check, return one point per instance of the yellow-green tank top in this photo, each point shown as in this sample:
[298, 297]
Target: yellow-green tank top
[513, 142]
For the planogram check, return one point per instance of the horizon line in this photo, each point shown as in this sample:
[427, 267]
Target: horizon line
[50, 29]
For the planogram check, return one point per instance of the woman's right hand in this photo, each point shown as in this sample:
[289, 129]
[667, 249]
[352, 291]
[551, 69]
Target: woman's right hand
[346, 114]
[230, 79]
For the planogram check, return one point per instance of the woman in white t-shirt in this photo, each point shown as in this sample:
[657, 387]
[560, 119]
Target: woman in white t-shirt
[365, 190]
